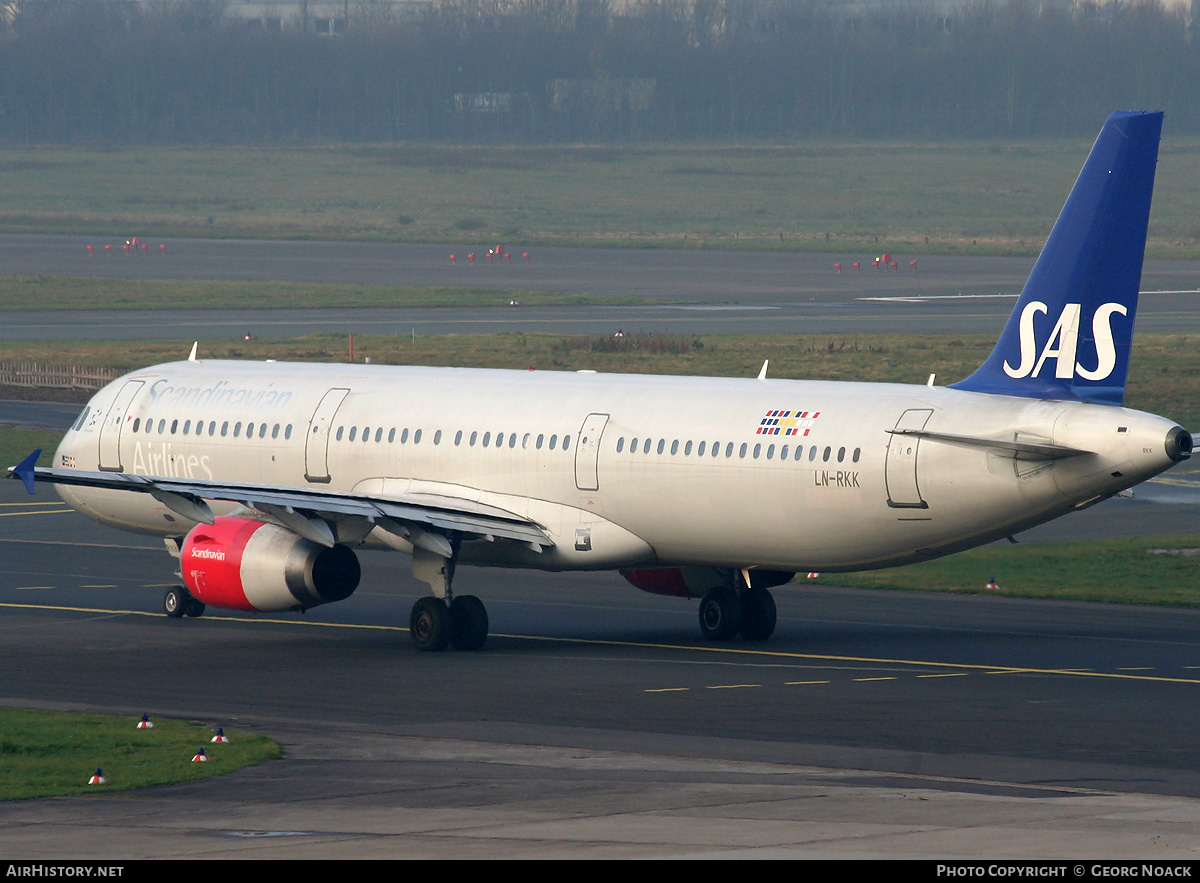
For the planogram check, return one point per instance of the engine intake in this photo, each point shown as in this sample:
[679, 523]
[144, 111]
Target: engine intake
[242, 564]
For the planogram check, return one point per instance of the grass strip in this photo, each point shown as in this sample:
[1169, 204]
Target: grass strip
[969, 197]
[53, 754]
[1138, 570]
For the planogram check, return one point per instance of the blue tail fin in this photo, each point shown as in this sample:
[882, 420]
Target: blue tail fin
[1069, 335]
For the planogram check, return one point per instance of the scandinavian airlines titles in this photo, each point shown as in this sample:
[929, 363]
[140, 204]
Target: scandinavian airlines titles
[1063, 342]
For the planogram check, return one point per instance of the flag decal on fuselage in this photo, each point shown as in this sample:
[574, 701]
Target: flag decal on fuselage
[787, 422]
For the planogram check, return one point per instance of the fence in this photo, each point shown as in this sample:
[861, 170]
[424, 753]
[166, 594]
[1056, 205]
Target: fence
[31, 374]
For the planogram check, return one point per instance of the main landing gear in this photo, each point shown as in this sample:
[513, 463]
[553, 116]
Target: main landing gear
[435, 625]
[746, 610]
[178, 601]
[445, 619]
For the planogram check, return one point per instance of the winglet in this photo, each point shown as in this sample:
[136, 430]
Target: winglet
[192, 354]
[1069, 335]
[24, 469]
[762, 374]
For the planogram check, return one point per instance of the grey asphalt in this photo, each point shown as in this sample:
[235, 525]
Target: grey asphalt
[712, 292]
[596, 724]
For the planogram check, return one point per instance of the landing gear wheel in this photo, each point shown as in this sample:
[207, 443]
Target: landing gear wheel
[720, 614]
[430, 624]
[470, 622]
[175, 601]
[194, 608]
[758, 615]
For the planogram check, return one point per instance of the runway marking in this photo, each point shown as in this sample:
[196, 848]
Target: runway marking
[85, 545]
[888, 678]
[113, 586]
[37, 512]
[30, 588]
[964, 667]
[949, 674]
[36, 503]
[731, 686]
[804, 683]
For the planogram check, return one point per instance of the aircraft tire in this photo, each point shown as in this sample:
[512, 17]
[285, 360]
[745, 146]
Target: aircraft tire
[194, 608]
[720, 614]
[758, 615]
[430, 624]
[470, 622]
[175, 601]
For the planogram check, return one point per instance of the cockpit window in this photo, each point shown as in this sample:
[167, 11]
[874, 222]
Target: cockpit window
[82, 417]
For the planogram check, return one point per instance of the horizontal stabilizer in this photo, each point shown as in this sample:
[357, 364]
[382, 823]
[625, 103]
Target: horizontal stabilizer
[1020, 450]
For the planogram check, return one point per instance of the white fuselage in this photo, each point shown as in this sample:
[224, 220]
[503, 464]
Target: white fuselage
[620, 470]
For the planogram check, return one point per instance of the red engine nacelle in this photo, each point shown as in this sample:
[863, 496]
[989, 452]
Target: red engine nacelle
[659, 581]
[241, 564]
[693, 582]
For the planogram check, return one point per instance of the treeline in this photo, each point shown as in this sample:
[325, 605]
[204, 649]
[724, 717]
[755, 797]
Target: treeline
[100, 71]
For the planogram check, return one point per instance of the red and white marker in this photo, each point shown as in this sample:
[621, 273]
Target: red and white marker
[200, 757]
[145, 723]
[98, 778]
[220, 737]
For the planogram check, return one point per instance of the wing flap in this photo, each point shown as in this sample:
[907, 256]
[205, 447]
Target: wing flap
[187, 496]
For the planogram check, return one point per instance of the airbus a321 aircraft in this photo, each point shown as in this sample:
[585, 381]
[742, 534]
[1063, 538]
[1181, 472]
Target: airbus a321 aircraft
[263, 478]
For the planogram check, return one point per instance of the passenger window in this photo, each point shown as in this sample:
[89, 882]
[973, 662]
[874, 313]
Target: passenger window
[729, 449]
[770, 451]
[162, 426]
[212, 428]
[825, 456]
[757, 450]
[417, 437]
[137, 421]
[553, 441]
[661, 445]
[782, 453]
[366, 433]
[187, 427]
[237, 430]
[620, 444]
[646, 446]
[353, 432]
[812, 453]
[458, 438]
[841, 454]
[538, 444]
[525, 441]
[262, 430]
[512, 439]
[699, 450]
[249, 430]
[674, 447]
[633, 446]
[487, 439]
[225, 429]
[337, 435]
[474, 435]
[437, 437]
[857, 451]
[566, 442]
[275, 431]
[742, 452]
[799, 451]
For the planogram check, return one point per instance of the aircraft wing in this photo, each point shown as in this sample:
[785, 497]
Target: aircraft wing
[421, 520]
